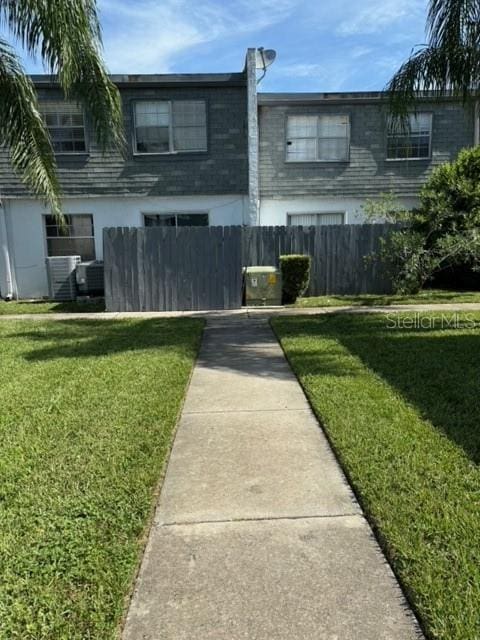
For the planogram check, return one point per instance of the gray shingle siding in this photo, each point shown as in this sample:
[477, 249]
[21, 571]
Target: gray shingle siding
[222, 169]
[367, 173]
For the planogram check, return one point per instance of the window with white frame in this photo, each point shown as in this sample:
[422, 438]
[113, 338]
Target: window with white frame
[410, 140]
[66, 126]
[74, 238]
[318, 138]
[314, 219]
[176, 220]
[163, 126]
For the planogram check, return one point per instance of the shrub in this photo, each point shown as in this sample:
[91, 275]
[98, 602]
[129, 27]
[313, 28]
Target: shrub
[295, 276]
[443, 234]
[409, 263]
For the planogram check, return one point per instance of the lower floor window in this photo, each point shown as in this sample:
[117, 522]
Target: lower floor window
[314, 219]
[75, 238]
[176, 220]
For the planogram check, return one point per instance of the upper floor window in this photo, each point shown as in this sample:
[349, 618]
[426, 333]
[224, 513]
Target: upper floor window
[176, 220]
[66, 126]
[318, 138]
[163, 126]
[412, 140]
[75, 238]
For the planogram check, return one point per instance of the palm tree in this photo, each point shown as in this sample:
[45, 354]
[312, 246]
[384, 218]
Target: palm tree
[65, 35]
[449, 64]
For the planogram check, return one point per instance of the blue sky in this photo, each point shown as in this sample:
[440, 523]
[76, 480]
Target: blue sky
[322, 45]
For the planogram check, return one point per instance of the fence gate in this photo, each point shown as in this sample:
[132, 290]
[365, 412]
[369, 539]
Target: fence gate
[172, 269]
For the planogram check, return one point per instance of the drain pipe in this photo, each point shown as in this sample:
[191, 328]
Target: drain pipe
[8, 295]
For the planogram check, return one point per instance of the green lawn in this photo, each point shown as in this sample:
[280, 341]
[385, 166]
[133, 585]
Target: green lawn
[87, 415]
[429, 296]
[433, 296]
[43, 306]
[401, 407]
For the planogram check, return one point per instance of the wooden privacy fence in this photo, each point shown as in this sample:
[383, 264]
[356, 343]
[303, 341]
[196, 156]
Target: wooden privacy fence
[199, 268]
[172, 269]
[338, 254]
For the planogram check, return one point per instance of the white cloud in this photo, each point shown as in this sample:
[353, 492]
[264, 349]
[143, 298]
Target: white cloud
[301, 70]
[360, 52]
[330, 45]
[374, 16]
[329, 75]
[148, 35]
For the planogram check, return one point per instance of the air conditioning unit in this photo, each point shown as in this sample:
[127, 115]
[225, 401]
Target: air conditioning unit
[62, 284]
[90, 278]
[263, 286]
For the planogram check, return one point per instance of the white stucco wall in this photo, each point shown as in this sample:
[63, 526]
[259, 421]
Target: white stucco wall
[274, 212]
[27, 233]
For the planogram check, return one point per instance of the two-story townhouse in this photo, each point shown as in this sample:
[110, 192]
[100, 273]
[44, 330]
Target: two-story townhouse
[206, 149]
[185, 163]
[322, 155]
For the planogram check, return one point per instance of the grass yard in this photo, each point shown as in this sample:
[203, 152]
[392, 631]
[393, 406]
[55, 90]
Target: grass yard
[428, 296]
[88, 410]
[44, 306]
[401, 407]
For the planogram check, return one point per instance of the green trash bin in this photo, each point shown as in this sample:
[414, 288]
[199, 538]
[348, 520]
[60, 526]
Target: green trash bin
[263, 286]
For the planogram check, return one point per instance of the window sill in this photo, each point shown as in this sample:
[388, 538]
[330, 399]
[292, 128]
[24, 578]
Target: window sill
[168, 154]
[327, 162]
[408, 159]
[72, 154]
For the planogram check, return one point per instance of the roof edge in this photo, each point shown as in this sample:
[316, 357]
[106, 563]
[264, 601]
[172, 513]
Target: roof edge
[158, 80]
[338, 97]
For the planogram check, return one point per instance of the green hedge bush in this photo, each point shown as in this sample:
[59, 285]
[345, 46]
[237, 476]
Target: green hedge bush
[442, 235]
[295, 276]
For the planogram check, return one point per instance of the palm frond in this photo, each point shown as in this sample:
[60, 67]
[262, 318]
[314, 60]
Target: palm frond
[22, 129]
[450, 62]
[31, 20]
[453, 23]
[66, 35]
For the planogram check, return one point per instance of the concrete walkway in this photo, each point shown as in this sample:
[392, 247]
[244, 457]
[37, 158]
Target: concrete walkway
[250, 312]
[257, 534]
